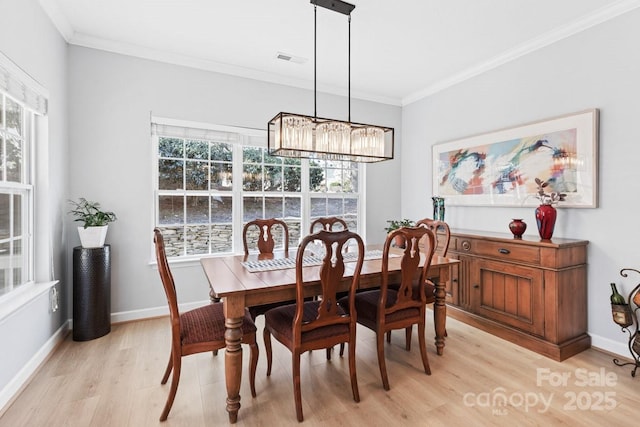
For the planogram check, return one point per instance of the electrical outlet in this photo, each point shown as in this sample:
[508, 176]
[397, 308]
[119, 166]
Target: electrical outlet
[54, 300]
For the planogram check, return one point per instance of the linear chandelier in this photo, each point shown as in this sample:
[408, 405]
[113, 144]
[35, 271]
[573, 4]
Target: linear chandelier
[301, 136]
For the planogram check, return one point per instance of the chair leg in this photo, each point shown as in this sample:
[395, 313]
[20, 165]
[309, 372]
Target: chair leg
[297, 393]
[167, 371]
[388, 336]
[381, 361]
[253, 346]
[266, 335]
[408, 333]
[174, 387]
[423, 348]
[341, 349]
[352, 370]
[329, 352]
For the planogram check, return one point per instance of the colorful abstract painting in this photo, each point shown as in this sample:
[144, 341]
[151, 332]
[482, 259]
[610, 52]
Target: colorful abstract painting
[499, 168]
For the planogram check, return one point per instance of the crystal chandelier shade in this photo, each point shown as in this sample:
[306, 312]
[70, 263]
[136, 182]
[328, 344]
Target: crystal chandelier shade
[301, 136]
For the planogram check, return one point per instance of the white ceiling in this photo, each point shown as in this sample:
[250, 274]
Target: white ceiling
[401, 50]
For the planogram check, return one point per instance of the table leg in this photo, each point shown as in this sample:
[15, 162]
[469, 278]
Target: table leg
[233, 356]
[440, 309]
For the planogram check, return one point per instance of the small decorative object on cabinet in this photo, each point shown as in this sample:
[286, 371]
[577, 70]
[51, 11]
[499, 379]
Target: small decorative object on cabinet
[94, 228]
[626, 315]
[438, 208]
[91, 292]
[528, 291]
[546, 213]
[517, 227]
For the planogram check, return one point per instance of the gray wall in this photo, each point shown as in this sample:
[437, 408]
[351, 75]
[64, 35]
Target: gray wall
[29, 39]
[111, 99]
[598, 68]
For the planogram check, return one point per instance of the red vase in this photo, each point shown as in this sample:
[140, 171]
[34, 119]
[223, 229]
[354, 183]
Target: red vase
[546, 220]
[517, 227]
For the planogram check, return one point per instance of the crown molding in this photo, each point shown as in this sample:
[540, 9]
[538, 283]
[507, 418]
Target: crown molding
[588, 21]
[58, 18]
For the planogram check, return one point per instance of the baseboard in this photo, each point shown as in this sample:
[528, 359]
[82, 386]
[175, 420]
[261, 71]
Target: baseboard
[610, 346]
[147, 313]
[22, 378]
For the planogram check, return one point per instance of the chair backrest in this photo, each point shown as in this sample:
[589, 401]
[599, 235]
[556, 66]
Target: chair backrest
[167, 282]
[330, 275]
[417, 254]
[327, 223]
[441, 232]
[265, 242]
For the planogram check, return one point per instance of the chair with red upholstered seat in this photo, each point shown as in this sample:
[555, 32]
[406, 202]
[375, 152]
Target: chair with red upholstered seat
[196, 331]
[442, 235]
[322, 323]
[385, 309]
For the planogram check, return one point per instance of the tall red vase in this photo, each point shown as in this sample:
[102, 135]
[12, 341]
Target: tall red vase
[546, 220]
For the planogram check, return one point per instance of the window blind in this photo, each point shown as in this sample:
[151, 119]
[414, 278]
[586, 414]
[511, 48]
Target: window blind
[201, 131]
[22, 87]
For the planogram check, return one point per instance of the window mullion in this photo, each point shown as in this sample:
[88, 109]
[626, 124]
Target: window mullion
[238, 196]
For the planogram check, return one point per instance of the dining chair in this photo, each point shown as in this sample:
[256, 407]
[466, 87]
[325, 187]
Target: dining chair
[265, 243]
[265, 240]
[328, 223]
[386, 309]
[196, 331]
[318, 324]
[442, 235]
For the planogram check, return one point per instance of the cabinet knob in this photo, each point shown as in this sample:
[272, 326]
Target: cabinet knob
[504, 251]
[476, 286]
[466, 245]
[454, 280]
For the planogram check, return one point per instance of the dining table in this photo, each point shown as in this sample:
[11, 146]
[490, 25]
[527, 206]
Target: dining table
[246, 280]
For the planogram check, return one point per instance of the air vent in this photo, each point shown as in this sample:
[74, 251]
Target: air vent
[291, 58]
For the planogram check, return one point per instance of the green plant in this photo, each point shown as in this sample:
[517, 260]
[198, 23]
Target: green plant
[395, 224]
[90, 213]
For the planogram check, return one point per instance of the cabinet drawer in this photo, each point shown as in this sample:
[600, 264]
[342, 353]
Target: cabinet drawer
[506, 251]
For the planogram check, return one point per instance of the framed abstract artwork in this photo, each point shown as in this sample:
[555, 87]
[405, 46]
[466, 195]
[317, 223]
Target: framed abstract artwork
[499, 168]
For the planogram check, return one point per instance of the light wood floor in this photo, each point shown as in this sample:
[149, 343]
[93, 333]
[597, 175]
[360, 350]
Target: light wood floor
[115, 381]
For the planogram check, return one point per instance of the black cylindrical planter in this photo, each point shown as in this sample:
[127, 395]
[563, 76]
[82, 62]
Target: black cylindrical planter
[91, 292]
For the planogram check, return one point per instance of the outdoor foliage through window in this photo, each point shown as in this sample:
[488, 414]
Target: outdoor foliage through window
[15, 194]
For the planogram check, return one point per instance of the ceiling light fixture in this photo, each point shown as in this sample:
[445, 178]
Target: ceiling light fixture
[301, 136]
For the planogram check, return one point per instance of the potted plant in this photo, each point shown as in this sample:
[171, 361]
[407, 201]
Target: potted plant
[95, 222]
[395, 224]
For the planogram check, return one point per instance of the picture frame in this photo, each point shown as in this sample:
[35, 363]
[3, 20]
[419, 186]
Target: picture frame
[499, 168]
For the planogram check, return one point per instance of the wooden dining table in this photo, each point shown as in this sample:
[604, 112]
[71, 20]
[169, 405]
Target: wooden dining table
[238, 287]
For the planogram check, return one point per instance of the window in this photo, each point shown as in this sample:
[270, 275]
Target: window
[16, 194]
[211, 180]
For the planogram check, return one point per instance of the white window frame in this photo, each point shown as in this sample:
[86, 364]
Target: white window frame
[246, 137]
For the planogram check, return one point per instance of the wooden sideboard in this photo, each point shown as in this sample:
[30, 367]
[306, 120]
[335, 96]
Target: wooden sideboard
[527, 291]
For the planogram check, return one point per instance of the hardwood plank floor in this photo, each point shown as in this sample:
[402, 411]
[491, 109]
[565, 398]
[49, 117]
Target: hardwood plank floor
[115, 381]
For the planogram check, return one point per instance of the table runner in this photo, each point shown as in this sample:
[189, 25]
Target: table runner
[307, 261]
